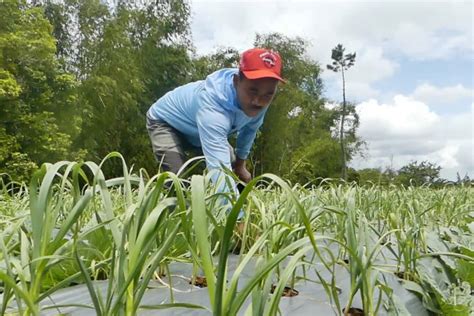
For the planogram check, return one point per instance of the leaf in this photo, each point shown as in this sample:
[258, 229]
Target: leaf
[465, 269]
[454, 310]
[413, 287]
[173, 305]
[398, 307]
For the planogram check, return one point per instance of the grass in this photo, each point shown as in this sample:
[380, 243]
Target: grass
[68, 228]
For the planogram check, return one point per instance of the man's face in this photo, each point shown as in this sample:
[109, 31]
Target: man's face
[255, 95]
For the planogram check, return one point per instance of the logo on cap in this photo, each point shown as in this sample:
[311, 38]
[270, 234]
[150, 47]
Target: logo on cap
[268, 59]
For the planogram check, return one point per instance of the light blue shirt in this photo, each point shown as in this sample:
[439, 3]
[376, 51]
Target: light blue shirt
[207, 112]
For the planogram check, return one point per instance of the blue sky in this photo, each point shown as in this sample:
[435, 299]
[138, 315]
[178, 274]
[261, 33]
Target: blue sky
[438, 73]
[413, 77]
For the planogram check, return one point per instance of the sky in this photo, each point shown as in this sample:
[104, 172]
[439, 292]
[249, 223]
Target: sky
[412, 81]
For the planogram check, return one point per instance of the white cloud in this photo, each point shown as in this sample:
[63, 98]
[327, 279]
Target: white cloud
[406, 117]
[370, 66]
[406, 130]
[445, 96]
[417, 42]
[356, 91]
[421, 29]
[447, 156]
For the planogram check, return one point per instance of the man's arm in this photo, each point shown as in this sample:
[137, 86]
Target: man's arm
[213, 127]
[245, 140]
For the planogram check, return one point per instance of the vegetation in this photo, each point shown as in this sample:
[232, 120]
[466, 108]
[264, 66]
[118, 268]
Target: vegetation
[76, 79]
[413, 174]
[66, 228]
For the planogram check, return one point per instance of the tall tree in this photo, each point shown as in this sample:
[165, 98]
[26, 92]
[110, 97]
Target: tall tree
[37, 97]
[130, 55]
[125, 54]
[342, 62]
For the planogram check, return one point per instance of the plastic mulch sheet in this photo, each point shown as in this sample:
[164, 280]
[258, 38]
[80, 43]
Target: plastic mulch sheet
[311, 300]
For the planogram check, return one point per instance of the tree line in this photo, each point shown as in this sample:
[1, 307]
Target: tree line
[77, 77]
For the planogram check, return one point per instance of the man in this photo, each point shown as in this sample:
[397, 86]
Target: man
[203, 114]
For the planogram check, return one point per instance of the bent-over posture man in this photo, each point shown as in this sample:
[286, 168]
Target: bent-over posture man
[203, 114]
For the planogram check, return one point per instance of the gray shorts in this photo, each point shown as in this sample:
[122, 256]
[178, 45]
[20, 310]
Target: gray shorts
[170, 147]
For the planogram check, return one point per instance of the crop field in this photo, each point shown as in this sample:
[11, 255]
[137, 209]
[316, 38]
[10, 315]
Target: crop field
[74, 242]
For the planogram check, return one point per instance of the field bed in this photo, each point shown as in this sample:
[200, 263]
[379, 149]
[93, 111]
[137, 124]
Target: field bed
[311, 298]
[76, 242]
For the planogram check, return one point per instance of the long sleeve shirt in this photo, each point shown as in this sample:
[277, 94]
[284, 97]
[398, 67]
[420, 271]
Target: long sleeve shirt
[207, 112]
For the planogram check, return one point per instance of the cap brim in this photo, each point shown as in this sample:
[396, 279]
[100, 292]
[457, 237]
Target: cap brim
[259, 74]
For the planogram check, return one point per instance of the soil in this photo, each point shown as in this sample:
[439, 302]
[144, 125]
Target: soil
[101, 275]
[353, 311]
[400, 274]
[199, 281]
[287, 291]
[404, 275]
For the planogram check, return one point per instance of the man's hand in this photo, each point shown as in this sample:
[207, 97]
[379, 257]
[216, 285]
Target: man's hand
[241, 171]
[243, 174]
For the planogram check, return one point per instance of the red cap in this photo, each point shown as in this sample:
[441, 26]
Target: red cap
[259, 63]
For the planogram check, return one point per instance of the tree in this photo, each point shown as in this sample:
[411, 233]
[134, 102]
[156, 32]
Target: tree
[352, 143]
[126, 55]
[314, 161]
[466, 180]
[38, 98]
[342, 62]
[416, 173]
[373, 176]
[224, 57]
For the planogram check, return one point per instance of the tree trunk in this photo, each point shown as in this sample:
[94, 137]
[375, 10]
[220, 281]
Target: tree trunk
[341, 132]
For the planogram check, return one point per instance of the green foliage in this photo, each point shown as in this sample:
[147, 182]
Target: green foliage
[38, 112]
[315, 159]
[9, 87]
[126, 56]
[413, 174]
[418, 173]
[373, 176]
[341, 61]
[65, 229]
[77, 77]
[222, 58]
[20, 167]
